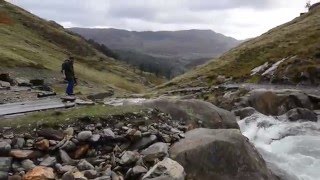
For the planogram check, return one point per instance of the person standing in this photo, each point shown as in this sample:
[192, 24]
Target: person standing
[68, 71]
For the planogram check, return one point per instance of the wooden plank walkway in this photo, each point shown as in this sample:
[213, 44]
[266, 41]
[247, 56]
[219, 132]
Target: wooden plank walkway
[30, 106]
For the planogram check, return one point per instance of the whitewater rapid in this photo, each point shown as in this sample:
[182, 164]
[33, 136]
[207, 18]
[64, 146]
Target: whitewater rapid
[292, 147]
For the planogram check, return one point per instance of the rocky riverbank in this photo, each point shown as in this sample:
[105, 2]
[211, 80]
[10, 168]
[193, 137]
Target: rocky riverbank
[148, 145]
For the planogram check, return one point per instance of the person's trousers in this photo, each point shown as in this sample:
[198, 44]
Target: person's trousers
[70, 87]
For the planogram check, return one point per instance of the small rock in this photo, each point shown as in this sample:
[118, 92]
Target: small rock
[19, 143]
[8, 135]
[5, 148]
[166, 169]
[5, 164]
[53, 142]
[79, 176]
[3, 175]
[51, 134]
[90, 174]
[103, 178]
[81, 151]
[40, 173]
[49, 161]
[27, 164]
[4, 84]
[95, 138]
[144, 142]
[63, 169]
[43, 145]
[68, 146]
[129, 157]
[138, 170]
[155, 151]
[29, 142]
[108, 133]
[69, 132]
[68, 176]
[65, 158]
[17, 167]
[24, 154]
[84, 135]
[84, 165]
[14, 177]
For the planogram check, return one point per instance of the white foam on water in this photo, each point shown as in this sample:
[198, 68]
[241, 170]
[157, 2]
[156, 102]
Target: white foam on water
[293, 146]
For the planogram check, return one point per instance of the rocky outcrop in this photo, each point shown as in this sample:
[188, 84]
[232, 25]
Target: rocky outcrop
[271, 102]
[196, 113]
[219, 154]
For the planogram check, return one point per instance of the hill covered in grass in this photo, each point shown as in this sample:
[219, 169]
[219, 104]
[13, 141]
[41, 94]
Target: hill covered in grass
[168, 53]
[32, 47]
[296, 43]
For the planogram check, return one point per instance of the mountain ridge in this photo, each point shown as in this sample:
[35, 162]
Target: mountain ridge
[296, 42]
[152, 42]
[32, 47]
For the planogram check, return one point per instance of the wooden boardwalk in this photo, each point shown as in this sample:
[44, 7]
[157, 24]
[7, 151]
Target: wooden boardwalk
[30, 106]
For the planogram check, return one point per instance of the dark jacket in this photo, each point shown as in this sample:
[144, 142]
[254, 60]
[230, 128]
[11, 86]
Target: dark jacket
[67, 68]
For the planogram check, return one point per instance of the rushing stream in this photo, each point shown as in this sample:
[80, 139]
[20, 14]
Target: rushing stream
[294, 147]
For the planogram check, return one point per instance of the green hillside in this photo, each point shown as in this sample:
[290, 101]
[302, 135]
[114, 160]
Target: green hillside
[297, 40]
[33, 47]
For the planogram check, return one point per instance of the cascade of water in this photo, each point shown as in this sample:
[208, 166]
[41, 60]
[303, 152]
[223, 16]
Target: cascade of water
[292, 146]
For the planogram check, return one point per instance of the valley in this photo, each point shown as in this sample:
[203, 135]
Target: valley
[251, 112]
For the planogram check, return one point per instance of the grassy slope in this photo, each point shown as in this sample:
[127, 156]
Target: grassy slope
[33, 47]
[55, 118]
[300, 37]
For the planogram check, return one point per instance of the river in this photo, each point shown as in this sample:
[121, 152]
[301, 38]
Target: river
[291, 146]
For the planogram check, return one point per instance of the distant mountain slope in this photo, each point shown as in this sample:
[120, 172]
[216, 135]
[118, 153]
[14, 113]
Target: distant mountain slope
[296, 43]
[173, 52]
[33, 47]
[187, 44]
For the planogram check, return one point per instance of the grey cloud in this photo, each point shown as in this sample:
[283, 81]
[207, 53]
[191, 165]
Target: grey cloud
[230, 17]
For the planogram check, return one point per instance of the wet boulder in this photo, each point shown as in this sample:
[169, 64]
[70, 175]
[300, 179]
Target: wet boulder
[301, 114]
[277, 102]
[244, 112]
[196, 113]
[220, 154]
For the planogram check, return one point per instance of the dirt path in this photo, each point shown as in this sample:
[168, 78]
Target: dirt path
[30, 106]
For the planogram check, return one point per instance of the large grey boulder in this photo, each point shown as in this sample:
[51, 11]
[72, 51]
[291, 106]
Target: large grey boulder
[277, 102]
[219, 154]
[194, 111]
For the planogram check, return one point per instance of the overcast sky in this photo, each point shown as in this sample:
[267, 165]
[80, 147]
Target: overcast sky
[237, 18]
